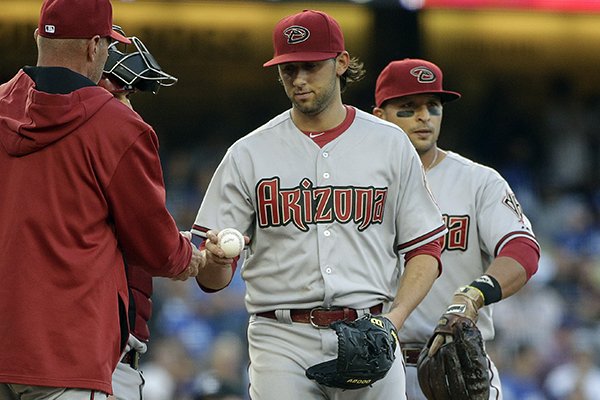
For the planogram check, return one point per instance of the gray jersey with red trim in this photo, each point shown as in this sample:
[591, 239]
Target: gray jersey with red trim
[482, 214]
[326, 224]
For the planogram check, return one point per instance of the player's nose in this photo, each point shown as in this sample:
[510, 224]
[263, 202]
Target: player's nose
[422, 113]
[299, 81]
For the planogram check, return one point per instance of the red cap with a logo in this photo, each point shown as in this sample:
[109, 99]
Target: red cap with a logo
[307, 36]
[77, 19]
[411, 76]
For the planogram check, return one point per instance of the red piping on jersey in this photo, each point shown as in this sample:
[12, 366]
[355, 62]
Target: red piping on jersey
[505, 239]
[421, 238]
[331, 134]
[200, 228]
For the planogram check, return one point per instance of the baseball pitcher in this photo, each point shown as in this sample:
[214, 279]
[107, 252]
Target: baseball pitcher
[329, 196]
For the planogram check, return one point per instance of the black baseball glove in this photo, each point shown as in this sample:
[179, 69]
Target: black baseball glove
[454, 365]
[366, 349]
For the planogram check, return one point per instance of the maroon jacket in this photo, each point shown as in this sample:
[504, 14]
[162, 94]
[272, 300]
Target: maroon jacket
[81, 189]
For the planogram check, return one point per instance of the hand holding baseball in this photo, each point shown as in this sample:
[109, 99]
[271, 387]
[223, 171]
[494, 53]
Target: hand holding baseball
[231, 241]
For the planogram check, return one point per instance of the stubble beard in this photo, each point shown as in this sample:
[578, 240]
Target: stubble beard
[423, 147]
[319, 103]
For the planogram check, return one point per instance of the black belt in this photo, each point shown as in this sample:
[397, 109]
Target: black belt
[320, 317]
[132, 358]
[411, 352]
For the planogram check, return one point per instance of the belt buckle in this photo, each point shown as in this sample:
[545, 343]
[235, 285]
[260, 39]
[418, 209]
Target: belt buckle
[132, 358]
[135, 360]
[408, 350]
[311, 318]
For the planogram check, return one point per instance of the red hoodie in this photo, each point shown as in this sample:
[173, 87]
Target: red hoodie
[81, 189]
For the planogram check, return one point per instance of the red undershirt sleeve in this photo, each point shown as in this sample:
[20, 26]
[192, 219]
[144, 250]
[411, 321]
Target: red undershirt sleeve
[524, 251]
[433, 249]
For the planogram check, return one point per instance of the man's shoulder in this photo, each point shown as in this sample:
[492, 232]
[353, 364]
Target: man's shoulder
[363, 117]
[466, 162]
[278, 125]
[469, 167]
[380, 131]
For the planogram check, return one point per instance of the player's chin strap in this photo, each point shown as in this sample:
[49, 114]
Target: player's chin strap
[136, 70]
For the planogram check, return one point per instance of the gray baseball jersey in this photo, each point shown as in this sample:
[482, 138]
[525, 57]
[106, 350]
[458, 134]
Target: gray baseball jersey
[482, 214]
[326, 224]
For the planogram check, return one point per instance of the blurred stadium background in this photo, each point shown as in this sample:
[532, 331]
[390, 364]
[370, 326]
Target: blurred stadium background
[529, 72]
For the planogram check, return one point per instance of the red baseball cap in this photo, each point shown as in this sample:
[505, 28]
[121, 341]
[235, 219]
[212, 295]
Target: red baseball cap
[307, 36]
[411, 76]
[77, 19]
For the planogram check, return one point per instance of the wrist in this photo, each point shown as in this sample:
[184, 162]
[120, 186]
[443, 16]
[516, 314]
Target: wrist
[466, 301]
[489, 288]
[396, 317]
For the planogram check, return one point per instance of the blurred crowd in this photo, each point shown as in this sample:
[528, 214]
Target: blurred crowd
[547, 344]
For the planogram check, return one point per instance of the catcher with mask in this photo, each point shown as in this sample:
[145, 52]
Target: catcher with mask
[127, 71]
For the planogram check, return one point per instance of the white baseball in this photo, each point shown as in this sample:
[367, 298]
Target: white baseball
[231, 241]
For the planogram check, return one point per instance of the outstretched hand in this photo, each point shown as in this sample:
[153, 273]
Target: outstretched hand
[213, 255]
[197, 263]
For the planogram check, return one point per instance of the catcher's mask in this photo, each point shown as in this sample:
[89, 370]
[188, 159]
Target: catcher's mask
[138, 70]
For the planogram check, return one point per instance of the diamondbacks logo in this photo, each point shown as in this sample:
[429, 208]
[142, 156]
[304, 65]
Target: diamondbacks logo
[305, 204]
[510, 201]
[296, 34]
[423, 74]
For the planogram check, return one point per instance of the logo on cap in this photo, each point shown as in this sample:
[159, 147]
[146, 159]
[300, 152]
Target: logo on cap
[296, 34]
[49, 28]
[423, 74]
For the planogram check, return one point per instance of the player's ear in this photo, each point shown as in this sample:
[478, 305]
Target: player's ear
[378, 112]
[93, 47]
[342, 62]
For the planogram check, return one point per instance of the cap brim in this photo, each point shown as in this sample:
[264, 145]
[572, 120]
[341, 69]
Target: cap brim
[119, 38]
[445, 95]
[448, 96]
[300, 57]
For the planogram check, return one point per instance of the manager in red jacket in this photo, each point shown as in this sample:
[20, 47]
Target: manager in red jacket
[81, 196]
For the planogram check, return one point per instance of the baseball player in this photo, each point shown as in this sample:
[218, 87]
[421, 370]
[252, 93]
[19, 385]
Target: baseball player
[490, 246]
[126, 72]
[329, 196]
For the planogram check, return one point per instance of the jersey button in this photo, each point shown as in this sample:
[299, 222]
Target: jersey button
[327, 233]
[328, 270]
[325, 154]
[326, 175]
